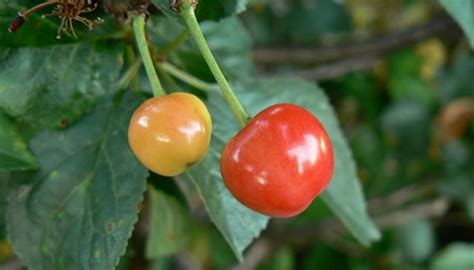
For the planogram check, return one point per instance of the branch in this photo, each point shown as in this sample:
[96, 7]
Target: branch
[306, 234]
[434, 208]
[400, 197]
[13, 264]
[331, 230]
[442, 26]
[256, 254]
[337, 69]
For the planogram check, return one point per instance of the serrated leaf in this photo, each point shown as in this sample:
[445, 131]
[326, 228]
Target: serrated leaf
[167, 225]
[56, 85]
[80, 210]
[14, 154]
[463, 12]
[206, 10]
[457, 256]
[238, 224]
[344, 195]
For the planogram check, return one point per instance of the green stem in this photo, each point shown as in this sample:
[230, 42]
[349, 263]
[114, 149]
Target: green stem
[186, 77]
[172, 46]
[167, 77]
[129, 75]
[139, 31]
[187, 12]
[132, 60]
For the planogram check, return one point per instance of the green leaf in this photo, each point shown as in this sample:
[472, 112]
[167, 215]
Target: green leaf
[411, 88]
[56, 85]
[456, 181]
[218, 9]
[206, 10]
[416, 240]
[161, 264]
[344, 195]
[4, 188]
[463, 12]
[14, 154]
[303, 22]
[283, 258]
[221, 255]
[456, 80]
[238, 224]
[404, 80]
[320, 256]
[325, 17]
[407, 121]
[80, 210]
[233, 52]
[457, 256]
[167, 225]
[404, 63]
[367, 146]
[470, 206]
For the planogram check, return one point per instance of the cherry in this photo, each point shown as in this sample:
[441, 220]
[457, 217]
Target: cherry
[171, 133]
[279, 162]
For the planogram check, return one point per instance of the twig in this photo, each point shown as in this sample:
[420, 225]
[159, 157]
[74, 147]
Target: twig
[257, 253]
[12, 264]
[433, 208]
[337, 69]
[304, 234]
[441, 26]
[400, 197]
[330, 231]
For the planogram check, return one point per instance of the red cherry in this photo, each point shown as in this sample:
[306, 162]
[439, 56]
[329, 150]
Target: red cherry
[279, 162]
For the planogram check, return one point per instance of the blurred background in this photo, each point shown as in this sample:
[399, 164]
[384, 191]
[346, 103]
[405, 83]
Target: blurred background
[400, 75]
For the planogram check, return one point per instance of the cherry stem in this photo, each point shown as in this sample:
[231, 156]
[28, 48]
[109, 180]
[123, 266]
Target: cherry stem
[22, 16]
[187, 12]
[173, 45]
[142, 44]
[186, 77]
[38, 7]
[131, 72]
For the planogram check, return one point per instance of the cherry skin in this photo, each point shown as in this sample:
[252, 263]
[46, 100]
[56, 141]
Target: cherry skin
[279, 162]
[171, 133]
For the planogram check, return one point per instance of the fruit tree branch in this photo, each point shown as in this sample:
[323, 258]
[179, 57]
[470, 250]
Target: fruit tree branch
[330, 230]
[441, 26]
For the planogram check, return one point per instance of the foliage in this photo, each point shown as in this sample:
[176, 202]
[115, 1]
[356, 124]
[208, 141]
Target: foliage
[71, 191]
[462, 12]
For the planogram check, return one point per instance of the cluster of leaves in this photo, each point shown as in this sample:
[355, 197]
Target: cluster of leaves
[75, 190]
[73, 200]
